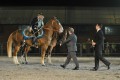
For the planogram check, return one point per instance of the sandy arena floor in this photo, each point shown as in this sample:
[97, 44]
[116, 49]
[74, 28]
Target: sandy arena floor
[35, 71]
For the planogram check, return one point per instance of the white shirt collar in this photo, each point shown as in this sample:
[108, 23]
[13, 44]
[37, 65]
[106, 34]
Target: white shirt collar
[98, 30]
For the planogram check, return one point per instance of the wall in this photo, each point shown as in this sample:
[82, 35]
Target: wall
[66, 15]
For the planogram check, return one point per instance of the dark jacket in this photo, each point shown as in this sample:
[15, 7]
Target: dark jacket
[99, 39]
[34, 22]
[71, 42]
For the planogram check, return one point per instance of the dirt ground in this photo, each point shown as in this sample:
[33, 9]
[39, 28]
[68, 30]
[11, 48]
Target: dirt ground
[35, 71]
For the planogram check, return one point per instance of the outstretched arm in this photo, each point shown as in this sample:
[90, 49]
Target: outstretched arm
[67, 40]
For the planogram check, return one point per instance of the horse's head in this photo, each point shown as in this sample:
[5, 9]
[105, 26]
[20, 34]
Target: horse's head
[56, 25]
[64, 34]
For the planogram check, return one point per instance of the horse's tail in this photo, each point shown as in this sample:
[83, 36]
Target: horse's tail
[9, 46]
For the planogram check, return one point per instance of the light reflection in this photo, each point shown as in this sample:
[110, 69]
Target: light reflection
[108, 30]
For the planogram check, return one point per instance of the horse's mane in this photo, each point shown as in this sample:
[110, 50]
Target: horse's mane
[50, 21]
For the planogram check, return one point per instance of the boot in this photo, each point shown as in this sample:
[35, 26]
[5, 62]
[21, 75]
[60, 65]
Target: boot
[34, 42]
[23, 43]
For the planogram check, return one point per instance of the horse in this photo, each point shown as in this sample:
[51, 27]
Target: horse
[50, 48]
[57, 38]
[53, 25]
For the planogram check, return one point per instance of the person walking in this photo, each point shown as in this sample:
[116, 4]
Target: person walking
[98, 43]
[72, 48]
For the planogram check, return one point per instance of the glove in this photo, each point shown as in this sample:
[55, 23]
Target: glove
[35, 28]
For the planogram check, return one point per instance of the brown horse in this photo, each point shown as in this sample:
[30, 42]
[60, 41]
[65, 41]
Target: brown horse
[56, 40]
[52, 46]
[53, 25]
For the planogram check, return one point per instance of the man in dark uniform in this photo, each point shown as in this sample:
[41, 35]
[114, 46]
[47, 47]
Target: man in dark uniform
[72, 48]
[98, 43]
[37, 24]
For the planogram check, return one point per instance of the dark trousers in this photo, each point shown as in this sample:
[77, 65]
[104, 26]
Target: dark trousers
[35, 32]
[35, 35]
[73, 56]
[98, 56]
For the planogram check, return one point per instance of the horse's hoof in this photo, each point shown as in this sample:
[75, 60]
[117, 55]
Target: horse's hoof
[26, 62]
[18, 64]
[43, 64]
[23, 63]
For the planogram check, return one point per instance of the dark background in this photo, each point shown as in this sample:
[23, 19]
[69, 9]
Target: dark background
[82, 3]
[84, 31]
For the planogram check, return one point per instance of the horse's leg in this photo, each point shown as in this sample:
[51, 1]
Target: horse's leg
[22, 55]
[22, 61]
[25, 53]
[26, 62]
[49, 54]
[15, 59]
[43, 51]
[22, 51]
[25, 58]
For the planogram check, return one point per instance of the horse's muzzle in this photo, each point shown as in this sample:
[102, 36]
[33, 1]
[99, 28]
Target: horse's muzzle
[61, 30]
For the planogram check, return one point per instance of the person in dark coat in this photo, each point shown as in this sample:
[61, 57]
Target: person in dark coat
[72, 48]
[37, 24]
[98, 44]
